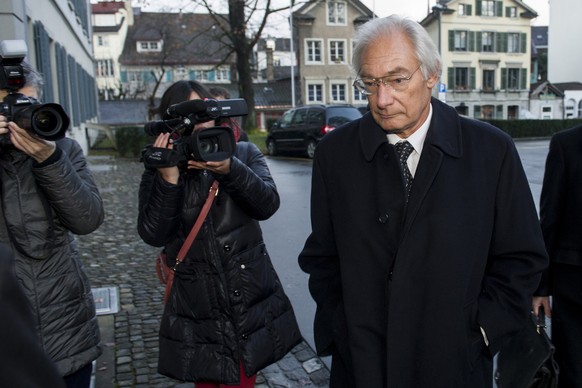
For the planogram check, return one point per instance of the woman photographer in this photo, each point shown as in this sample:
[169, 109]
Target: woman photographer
[227, 315]
[48, 195]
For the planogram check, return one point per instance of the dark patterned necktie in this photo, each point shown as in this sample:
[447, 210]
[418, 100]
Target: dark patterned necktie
[403, 149]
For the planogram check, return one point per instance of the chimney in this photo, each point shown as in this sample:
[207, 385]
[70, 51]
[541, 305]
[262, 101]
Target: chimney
[270, 46]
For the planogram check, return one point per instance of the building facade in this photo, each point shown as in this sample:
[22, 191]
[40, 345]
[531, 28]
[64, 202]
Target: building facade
[564, 57]
[162, 48]
[486, 50]
[58, 35]
[111, 20]
[324, 33]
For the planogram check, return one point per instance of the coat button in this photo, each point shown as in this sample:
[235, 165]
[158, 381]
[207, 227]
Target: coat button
[390, 275]
[242, 266]
[236, 292]
[244, 337]
[226, 248]
[383, 218]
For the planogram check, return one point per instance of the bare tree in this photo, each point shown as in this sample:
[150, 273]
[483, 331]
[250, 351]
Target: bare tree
[241, 40]
[177, 36]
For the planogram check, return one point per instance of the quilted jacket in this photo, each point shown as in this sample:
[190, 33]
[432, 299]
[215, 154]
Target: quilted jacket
[227, 304]
[42, 207]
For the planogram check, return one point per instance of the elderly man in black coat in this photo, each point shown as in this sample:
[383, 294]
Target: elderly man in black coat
[420, 271]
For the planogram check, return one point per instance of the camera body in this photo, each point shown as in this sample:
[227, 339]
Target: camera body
[47, 121]
[207, 144]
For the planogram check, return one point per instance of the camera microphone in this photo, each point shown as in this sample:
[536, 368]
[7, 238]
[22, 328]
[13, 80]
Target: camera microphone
[187, 108]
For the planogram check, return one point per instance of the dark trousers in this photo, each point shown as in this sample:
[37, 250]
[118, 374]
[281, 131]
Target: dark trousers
[567, 323]
[80, 378]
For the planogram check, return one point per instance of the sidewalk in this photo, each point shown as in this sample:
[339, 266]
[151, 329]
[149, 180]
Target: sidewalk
[115, 257]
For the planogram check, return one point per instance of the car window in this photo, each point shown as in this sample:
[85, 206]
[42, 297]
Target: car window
[285, 120]
[316, 116]
[337, 116]
[299, 118]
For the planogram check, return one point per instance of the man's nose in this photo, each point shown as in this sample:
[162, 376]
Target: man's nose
[385, 94]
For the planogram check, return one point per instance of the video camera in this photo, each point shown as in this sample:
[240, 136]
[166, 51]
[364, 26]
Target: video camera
[47, 121]
[206, 144]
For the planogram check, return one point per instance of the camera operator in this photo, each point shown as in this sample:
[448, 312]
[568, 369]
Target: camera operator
[227, 315]
[47, 196]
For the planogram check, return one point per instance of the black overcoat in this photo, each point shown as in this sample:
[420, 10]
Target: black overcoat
[227, 303]
[408, 290]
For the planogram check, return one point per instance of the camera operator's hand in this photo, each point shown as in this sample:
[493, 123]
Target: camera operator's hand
[3, 125]
[222, 167]
[37, 148]
[169, 174]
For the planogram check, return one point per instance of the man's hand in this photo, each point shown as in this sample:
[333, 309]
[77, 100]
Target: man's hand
[543, 301]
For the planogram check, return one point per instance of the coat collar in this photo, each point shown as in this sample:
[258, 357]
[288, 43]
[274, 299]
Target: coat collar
[444, 132]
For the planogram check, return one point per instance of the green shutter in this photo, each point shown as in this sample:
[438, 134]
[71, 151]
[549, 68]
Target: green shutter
[478, 5]
[523, 46]
[504, 78]
[451, 78]
[502, 42]
[471, 47]
[479, 42]
[123, 76]
[468, 9]
[499, 8]
[451, 40]
[472, 78]
[499, 112]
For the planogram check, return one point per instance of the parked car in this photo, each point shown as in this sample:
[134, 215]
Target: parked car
[301, 128]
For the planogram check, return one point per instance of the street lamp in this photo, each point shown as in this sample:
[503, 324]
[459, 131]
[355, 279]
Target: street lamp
[292, 58]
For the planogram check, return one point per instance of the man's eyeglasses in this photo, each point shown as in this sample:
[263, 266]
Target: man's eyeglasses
[397, 82]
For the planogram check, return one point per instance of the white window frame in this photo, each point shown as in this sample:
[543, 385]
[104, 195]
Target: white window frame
[513, 42]
[358, 96]
[222, 74]
[335, 45]
[144, 46]
[338, 87]
[461, 36]
[488, 8]
[308, 88]
[202, 75]
[309, 55]
[334, 8]
[491, 41]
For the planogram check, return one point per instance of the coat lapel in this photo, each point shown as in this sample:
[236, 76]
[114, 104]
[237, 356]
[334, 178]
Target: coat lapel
[443, 139]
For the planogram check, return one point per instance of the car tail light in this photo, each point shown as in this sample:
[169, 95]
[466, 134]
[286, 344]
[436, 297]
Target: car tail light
[326, 128]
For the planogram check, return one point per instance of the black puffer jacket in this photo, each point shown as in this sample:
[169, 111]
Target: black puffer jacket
[42, 207]
[227, 303]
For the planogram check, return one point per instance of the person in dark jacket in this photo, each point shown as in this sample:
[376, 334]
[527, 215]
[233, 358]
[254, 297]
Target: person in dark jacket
[23, 363]
[227, 315]
[561, 220]
[47, 196]
[417, 288]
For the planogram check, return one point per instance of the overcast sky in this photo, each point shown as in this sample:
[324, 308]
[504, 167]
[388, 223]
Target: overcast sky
[417, 9]
[279, 25]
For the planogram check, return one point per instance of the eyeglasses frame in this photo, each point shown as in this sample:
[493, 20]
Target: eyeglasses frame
[378, 81]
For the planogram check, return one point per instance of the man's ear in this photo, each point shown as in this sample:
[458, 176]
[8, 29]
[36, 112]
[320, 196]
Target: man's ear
[432, 81]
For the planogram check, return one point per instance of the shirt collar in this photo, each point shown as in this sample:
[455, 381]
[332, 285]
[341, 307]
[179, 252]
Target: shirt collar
[417, 138]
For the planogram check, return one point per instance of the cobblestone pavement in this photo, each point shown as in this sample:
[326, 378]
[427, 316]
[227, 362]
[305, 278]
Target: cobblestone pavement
[115, 256]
